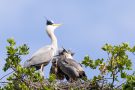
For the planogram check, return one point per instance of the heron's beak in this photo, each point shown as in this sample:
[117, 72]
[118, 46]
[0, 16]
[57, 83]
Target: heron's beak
[57, 25]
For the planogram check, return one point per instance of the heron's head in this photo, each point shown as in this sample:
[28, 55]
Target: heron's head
[51, 26]
[66, 53]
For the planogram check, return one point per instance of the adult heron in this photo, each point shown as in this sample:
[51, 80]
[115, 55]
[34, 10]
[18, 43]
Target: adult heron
[68, 67]
[45, 54]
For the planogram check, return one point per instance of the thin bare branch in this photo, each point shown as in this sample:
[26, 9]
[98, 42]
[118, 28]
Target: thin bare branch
[6, 75]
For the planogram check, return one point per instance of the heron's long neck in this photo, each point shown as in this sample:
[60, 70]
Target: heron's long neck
[53, 39]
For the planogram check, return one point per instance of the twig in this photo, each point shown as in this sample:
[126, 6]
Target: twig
[109, 55]
[6, 75]
[108, 78]
[120, 85]
[4, 82]
[133, 53]
[122, 82]
[102, 83]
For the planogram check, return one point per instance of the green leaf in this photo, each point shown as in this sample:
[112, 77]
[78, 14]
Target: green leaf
[123, 75]
[11, 41]
[52, 77]
[23, 50]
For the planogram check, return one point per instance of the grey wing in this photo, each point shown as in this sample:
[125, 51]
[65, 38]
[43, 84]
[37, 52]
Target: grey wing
[75, 64]
[68, 69]
[42, 56]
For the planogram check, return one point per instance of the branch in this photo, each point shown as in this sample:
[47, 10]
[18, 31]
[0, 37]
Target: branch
[108, 78]
[6, 75]
[120, 85]
[4, 82]
[108, 56]
[133, 53]
[102, 83]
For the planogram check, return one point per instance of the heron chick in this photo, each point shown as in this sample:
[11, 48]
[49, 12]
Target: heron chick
[71, 70]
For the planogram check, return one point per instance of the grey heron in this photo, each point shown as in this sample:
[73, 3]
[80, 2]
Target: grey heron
[67, 66]
[45, 54]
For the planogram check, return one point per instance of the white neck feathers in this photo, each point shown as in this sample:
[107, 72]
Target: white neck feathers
[50, 32]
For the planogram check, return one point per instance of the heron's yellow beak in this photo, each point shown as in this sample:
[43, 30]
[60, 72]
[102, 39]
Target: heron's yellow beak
[57, 25]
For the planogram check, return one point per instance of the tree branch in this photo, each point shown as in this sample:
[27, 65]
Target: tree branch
[6, 75]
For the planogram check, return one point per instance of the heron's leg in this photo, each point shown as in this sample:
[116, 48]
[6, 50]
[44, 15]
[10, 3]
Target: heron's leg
[42, 67]
[41, 70]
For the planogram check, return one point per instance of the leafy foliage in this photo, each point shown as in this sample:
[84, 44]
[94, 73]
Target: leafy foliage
[112, 70]
[130, 84]
[117, 63]
[22, 78]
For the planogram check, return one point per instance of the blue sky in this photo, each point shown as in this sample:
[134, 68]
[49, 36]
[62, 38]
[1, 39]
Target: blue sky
[87, 25]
